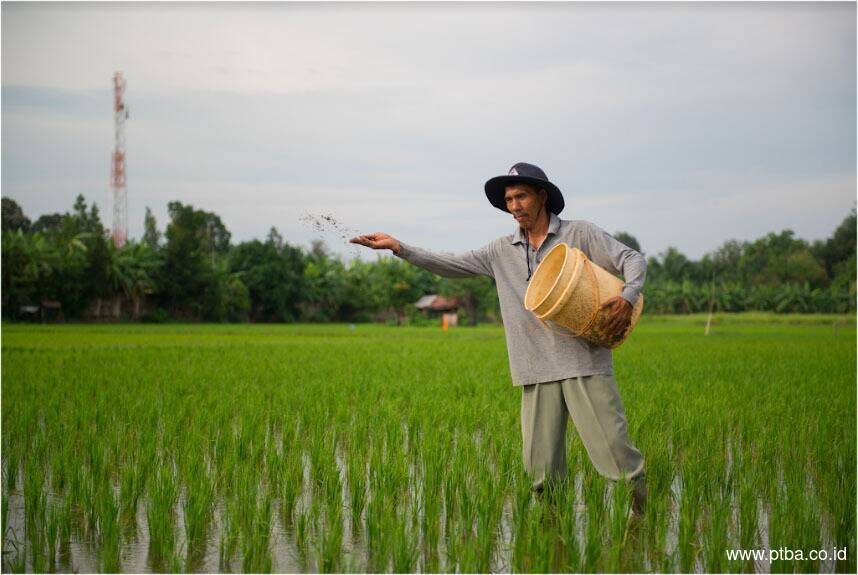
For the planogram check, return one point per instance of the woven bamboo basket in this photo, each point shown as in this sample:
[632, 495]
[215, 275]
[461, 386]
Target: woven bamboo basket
[567, 289]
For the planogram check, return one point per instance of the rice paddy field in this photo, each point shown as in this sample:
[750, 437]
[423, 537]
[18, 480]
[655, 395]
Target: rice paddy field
[324, 448]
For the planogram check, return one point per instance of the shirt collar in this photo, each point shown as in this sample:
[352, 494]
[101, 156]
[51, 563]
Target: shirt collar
[553, 226]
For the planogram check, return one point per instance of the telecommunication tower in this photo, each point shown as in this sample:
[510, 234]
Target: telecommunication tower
[117, 164]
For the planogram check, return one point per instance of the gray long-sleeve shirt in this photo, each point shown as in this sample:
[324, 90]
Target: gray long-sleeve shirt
[538, 353]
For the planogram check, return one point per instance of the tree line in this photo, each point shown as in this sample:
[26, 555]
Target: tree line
[193, 272]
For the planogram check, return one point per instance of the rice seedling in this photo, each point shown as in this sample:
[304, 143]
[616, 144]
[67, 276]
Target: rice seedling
[160, 516]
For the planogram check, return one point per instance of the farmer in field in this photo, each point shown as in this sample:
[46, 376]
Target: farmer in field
[560, 375]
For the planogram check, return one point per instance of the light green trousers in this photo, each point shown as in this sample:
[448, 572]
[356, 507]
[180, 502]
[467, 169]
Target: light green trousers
[597, 412]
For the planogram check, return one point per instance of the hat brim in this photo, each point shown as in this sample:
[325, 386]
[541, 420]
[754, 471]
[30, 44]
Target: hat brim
[496, 190]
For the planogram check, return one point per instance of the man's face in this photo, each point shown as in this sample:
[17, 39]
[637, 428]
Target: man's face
[525, 203]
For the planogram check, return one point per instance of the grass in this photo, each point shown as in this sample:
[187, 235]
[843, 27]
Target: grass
[318, 447]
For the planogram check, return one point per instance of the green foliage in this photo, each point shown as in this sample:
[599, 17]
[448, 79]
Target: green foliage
[151, 235]
[13, 218]
[29, 263]
[777, 272]
[48, 223]
[780, 258]
[131, 271]
[398, 285]
[324, 286]
[273, 273]
[195, 238]
[628, 239]
[192, 272]
[226, 298]
[840, 247]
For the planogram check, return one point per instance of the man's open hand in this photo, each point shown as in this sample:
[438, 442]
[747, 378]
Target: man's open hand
[378, 241]
[619, 315]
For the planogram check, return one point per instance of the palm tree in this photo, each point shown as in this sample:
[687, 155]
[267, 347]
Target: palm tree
[29, 260]
[793, 298]
[140, 262]
[129, 273]
[30, 263]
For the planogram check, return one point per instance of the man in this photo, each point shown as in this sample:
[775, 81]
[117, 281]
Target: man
[560, 375]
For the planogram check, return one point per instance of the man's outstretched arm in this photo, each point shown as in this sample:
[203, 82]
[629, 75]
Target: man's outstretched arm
[469, 264]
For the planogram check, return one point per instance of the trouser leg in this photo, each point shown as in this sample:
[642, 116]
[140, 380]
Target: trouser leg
[543, 431]
[598, 415]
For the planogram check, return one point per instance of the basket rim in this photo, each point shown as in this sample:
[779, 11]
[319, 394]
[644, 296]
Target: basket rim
[573, 282]
[540, 269]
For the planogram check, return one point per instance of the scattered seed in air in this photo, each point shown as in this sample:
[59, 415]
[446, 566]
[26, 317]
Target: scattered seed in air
[328, 224]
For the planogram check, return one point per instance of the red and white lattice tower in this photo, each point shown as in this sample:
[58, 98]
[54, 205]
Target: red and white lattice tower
[117, 164]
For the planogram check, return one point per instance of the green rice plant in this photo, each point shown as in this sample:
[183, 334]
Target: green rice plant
[521, 504]
[108, 526]
[198, 507]
[748, 516]
[332, 485]
[357, 486]
[302, 534]
[35, 511]
[256, 538]
[844, 515]
[130, 486]
[65, 525]
[618, 523]
[488, 525]
[160, 517]
[430, 497]
[292, 482]
[330, 540]
[569, 525]
[59, 467]
[594, 494]
[10, 468]
[404, 543]
[803, 527]
[778, 518]
[273, 467]
[229, 534]
[714, 535]
[657, 522]
[4, 512]
[378, 533]
[689, 512]
[543, 539]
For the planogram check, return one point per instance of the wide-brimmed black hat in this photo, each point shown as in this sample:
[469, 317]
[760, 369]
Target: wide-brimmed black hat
[527, 174]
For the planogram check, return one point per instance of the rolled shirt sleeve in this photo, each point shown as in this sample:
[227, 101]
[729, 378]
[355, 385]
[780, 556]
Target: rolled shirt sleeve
[618, 258]
[468, 264]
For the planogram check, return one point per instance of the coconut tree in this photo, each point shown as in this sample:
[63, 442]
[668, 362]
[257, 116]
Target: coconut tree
[129, 273]
[139, 262]
[33, 266]
[793, 298]
[731, 297]
[29, 260]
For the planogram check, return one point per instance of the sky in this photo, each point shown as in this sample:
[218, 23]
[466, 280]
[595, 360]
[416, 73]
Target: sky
[685, 125]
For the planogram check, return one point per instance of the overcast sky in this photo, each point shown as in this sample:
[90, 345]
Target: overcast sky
[682, 124]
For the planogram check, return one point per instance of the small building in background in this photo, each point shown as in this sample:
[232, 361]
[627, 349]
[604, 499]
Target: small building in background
[51, 310]
[434, 305]
[46, 311]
